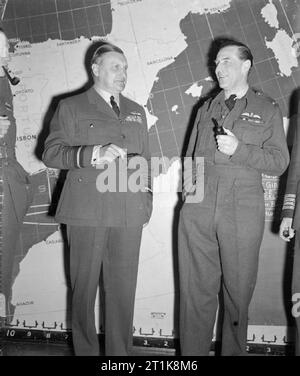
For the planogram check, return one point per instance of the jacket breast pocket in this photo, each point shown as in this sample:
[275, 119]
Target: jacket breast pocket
[96, 131]
[251, 134]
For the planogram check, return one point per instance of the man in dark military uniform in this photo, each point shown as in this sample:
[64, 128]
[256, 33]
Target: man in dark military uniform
[220, 237]
[14, 186]
[290, 224]
[102, 127]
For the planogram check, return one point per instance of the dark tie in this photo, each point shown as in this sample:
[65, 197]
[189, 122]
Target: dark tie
[230, 102]
[114, 105]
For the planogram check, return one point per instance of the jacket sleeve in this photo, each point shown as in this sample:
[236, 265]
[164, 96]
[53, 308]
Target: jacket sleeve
[60, 151]
[189, 162]
[194, 134]
[272, 157]
[290, 196]
[147, 173]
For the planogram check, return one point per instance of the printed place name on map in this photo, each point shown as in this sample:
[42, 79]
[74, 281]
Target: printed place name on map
[219, 9]
[22, 53]
[56, 241]
[25, 303]
[68, 42]
[27, 137]
[160, 60]
[25, 45]
[25, 91]
[14, 40]
[127, 2]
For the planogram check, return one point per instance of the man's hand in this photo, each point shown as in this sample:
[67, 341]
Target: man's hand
[227, 144]
[109, 153]
[286, 232]
[4, 125]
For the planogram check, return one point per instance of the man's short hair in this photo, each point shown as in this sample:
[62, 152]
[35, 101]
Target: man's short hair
[104, 48]
[244, 51]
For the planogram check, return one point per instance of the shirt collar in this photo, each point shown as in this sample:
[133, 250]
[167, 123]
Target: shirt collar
[106, 96]
[220, 97]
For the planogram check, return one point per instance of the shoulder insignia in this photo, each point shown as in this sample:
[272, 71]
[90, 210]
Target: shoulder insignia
[269, 99]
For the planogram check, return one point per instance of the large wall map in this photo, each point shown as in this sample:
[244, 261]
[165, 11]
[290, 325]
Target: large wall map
[167, 44]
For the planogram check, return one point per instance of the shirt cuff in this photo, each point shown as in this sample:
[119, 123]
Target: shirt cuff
[95, 155]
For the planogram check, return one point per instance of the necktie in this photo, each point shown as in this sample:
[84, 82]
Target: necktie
[230, 102]
[114, 105]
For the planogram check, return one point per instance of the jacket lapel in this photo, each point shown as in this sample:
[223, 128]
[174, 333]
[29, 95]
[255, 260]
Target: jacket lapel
[95, 99]
[235, 113]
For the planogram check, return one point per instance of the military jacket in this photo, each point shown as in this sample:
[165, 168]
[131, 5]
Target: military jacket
[10, 169]
[291, 207]
[79, 123]
[256, 121]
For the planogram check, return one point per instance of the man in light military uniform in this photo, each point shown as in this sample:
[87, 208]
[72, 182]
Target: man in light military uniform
[290, 224]
[220, 237]
[96, 128]
[15, 194]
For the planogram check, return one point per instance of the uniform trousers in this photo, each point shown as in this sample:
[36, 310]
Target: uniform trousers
[296, 289]
[11, 227]
[116, 250]
[219, 241]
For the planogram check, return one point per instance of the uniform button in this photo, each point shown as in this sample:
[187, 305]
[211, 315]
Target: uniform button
[91, 125]
[80, 179]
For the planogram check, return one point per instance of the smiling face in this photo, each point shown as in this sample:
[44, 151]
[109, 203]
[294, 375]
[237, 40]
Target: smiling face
[110, 72]
[231, 70]
[4, 54]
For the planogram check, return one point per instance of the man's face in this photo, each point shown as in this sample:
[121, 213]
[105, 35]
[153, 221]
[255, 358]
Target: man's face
[231, 71]
[111, 72]
[4, 54]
